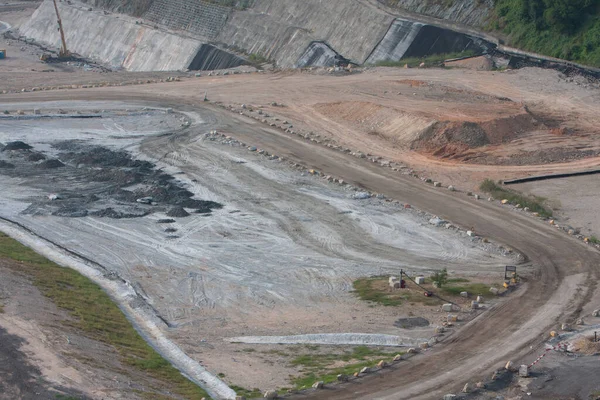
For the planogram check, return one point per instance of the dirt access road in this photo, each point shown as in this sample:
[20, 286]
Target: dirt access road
[565, 270]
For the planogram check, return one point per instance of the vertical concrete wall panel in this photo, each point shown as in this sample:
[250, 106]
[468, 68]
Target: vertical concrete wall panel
[396, 41]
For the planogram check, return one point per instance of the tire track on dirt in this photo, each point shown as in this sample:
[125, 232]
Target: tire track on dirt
[486, 341]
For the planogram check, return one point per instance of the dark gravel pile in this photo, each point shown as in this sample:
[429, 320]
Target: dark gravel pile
[36, 157]
[99, 181]
[118, 214]
[412, 322]
[4, 164]
[51, 164]
[17, 145]
[177, 212]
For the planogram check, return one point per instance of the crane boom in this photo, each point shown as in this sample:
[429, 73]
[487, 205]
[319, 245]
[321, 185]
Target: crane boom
[64, 52]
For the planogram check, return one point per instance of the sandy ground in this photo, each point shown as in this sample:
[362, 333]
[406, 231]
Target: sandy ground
[43, 357]
[575, 200]
[535, 120]
[280, 256]
[278, 259]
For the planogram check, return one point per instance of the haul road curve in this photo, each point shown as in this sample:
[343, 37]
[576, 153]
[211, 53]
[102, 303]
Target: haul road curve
[562, 280]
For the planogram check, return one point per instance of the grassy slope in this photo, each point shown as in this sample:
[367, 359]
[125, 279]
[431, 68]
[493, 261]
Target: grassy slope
[97, 317]
[535, 203]
[579, 41]
[318, 367]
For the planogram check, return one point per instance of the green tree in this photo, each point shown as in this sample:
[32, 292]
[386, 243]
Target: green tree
[440, 278]
[566, 15]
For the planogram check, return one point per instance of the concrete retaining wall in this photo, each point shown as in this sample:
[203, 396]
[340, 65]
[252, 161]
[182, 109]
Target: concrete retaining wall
[135, 8]
[317, 54]
[395, 42]
[468, 12]
[196, 17]
[111, 39]
[210, 57]
[292, 33]
[413, 39]
[282, 30]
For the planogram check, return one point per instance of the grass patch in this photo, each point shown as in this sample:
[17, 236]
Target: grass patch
[257, 60]
[97, 316]
[457, 280]
[247, 393]
[366, 290]
[309, 379]
[318, 367]
[593, 239]
[377, 291]
[478, 289]
[535, 203]
[432, 60]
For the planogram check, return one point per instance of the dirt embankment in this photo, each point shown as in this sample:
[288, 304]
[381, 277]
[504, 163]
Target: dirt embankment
[458, 139]
[43, 356]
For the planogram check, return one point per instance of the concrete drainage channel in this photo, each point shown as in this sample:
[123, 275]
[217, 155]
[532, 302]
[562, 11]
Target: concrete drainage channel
[352, 339]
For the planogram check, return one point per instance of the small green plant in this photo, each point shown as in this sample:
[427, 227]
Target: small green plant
[257, 59]
[594, 240]
[440, 278]
[247, 393]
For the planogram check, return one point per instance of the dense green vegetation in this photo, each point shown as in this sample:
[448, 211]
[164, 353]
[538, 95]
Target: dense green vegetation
[97, 317]
[567, 29]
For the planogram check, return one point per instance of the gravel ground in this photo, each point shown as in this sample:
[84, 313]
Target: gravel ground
[230, 269]
[575, 200]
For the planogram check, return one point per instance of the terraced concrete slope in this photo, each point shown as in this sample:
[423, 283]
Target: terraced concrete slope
[190, 34]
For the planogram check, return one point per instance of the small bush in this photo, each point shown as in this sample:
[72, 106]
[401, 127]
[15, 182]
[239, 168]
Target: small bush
[440, 278]
[257, 59]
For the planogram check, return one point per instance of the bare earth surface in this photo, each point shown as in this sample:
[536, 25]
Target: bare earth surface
[280, 256]
[575, 198]
[42, 357]
[278, 259]
[561, 264]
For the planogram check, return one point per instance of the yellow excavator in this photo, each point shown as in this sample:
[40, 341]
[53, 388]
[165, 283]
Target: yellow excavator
[64, 52]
